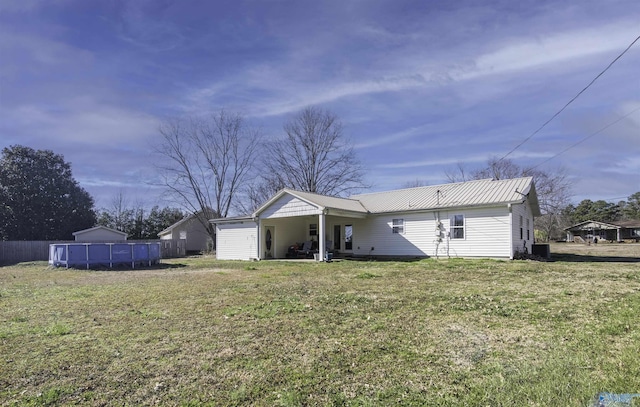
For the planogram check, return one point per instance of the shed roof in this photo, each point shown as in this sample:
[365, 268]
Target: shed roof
[100, 227]
[178, 223]
[594, 224]
[461, 194]
[187, 218]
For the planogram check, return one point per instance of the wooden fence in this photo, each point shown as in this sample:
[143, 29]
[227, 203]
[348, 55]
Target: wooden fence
[12, 252]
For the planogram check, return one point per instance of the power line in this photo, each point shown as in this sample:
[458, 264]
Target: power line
[571, 101]
[586, 138]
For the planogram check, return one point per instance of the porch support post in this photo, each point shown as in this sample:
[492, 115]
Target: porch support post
[259, 257]
[321, 241]
[618, 234]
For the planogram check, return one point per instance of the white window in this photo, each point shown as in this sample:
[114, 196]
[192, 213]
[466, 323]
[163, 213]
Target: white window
[528, 230]
[457, 227]
[348, 237]
[398, 226]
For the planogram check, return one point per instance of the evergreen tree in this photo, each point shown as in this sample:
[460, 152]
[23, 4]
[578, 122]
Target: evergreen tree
[39, 198]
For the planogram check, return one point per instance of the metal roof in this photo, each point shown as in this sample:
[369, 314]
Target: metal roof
[594, 224]
[181, 221]
[329, 202]
[461, 194]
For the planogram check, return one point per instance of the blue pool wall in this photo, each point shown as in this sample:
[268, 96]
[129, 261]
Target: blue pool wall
[95, 255]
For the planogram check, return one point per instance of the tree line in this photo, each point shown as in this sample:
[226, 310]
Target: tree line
[603, 211]
[219, 164]
[40, 200]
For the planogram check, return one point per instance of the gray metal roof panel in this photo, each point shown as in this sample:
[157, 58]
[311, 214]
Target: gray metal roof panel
[470, 193]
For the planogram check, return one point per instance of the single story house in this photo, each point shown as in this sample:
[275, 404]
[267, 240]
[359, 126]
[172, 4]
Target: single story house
[99, 234]
[191, 230]
[480, 218]
[613, 231]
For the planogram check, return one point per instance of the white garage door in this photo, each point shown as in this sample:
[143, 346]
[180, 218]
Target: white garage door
[236, 241]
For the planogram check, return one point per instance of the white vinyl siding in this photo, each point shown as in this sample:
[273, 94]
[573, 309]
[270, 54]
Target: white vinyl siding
[236, 241]
[521, 216]
[486, 234]
[288, 206]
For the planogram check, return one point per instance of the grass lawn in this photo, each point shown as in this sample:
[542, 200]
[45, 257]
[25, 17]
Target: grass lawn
[198, 331]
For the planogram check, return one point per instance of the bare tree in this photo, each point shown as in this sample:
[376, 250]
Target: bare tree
[553, 188]
[313, 156]
[415, 183]
[205, 161]
[459, 174]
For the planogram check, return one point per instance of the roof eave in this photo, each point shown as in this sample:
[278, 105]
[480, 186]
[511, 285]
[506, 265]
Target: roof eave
[232, 219]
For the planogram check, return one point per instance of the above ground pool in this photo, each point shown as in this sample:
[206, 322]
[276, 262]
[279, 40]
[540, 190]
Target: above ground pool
[96, 255]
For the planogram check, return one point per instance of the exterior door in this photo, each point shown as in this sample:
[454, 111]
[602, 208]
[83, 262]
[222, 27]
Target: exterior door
[269, 242]
[348, 238]
[337, 237]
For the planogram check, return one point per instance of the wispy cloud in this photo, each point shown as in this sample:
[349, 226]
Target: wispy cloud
[82, 122]
[467, 159]
[138, 26]
[521, 54]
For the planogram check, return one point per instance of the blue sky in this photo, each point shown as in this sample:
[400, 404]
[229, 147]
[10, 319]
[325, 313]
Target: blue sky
[420, 86]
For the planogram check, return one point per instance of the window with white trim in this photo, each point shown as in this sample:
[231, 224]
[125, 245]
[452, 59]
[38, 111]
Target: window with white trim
[397, 226]
[528, 230]
[457, 227]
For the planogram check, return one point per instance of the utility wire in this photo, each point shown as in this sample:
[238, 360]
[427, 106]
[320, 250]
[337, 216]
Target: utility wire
[571, 101]
[586, 138]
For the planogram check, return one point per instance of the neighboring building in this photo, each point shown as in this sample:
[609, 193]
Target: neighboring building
[482, 218]
[191, 230]
[612, 231]
[99, 234]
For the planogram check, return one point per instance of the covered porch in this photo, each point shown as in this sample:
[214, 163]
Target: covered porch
[592, 231]
[306, 237]
[297, 224]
